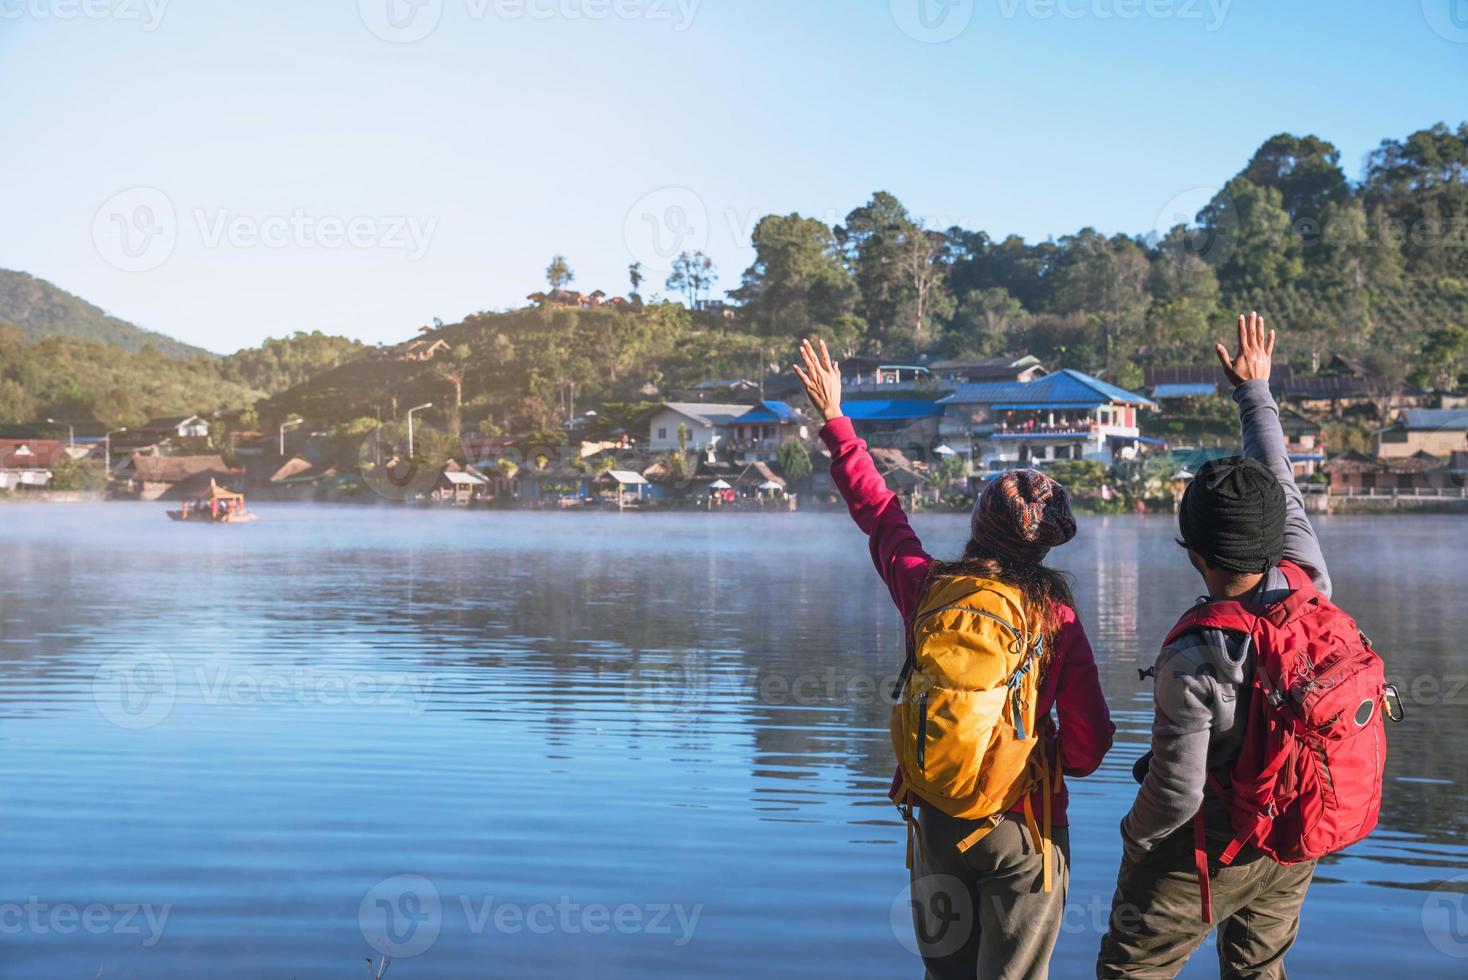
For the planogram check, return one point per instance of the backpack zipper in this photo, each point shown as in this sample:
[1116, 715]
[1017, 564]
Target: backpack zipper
[969, 609]
[922, 732]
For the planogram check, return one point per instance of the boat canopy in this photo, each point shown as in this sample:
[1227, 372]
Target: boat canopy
[214, 492]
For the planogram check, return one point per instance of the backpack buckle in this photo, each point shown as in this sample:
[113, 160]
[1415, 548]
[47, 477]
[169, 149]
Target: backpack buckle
[1276, 698]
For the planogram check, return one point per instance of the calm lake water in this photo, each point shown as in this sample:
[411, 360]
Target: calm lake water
[512, 745]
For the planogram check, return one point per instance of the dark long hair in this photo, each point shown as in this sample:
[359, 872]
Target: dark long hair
[1043, 588]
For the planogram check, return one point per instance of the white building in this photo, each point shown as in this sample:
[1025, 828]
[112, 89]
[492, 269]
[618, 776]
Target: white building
[708, 424]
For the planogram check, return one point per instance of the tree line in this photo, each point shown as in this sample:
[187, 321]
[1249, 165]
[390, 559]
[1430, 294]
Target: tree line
[1376, 268]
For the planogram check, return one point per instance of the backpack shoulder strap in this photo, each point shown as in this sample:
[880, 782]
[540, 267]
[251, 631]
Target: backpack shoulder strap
[1303, 595]
[1223, 614]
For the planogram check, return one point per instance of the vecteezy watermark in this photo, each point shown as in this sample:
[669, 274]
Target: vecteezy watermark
[148, 14]
[1211, 12]
[1445, 917]
[936, 21]
[37, 918]
[1428, 690]
[932, 21]
[664, 224]
[400, 460]
[1211, 240]
[135, 690]
[1448, 19]
[224, 684]
[407, 233]
[668, 685]
[406, 21]
[137, 229]
[404, 915]
[401, 916]
[933, 915]
[138, 691]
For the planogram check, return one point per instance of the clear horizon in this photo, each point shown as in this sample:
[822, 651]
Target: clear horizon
[221, 174]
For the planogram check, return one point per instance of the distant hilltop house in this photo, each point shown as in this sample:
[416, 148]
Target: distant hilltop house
[756, 431]
[571, 299]
[1435, 431]
[175, 426]
[1025, 368]
[868, 375]
[725, 386]
[1066, 415]
[419, 349]
[27, 463]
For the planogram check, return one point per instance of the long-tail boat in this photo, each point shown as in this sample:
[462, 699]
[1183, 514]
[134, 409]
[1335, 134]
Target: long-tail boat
[216, 505]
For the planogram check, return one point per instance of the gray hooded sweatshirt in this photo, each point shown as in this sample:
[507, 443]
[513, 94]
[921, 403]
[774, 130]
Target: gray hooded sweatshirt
[1201, 681]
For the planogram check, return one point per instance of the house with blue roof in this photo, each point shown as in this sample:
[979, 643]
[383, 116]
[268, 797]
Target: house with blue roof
[908, 424]
[1065, 415]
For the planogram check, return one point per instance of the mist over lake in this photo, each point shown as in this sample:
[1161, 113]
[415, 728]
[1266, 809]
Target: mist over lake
[641, 745]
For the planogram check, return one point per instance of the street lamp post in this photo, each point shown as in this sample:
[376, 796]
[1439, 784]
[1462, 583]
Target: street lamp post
[416, 408]
[107, 448]
[291, 424]
[70, 432]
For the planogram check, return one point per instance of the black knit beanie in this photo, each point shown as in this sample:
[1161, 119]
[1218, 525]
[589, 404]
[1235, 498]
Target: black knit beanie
[1233, 514]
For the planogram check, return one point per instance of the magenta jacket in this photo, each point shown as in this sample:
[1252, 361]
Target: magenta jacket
[1071, 682]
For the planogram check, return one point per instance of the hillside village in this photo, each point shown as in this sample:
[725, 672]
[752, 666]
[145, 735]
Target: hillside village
[938, 429]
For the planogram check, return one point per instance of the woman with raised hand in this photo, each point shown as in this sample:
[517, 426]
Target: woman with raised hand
[993, 645]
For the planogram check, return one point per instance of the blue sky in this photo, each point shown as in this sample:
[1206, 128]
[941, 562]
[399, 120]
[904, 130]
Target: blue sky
[225, 171]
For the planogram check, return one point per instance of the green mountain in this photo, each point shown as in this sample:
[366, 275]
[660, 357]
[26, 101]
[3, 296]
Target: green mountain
[43, 310]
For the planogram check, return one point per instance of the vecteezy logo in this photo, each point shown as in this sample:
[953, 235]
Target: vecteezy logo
[135, 230]
[932, 21]
[1447, 18]
[393, 470]
[933, 916]
[1445, 917]
[1212, 238]
[400, 21]
[135, 690]
[401, 916]
[664, 224]
[667, 686]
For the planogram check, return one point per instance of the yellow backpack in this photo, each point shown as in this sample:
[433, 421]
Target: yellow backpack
[965, 723]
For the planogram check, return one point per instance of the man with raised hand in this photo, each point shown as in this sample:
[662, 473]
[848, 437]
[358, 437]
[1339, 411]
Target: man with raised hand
[1239, 519]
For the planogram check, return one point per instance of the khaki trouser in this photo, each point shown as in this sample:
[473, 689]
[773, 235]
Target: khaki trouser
[984, 913]
[1156, 914]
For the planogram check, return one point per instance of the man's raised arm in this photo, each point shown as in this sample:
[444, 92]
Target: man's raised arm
[1264, 439]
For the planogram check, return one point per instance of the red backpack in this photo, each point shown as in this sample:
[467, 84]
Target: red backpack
[1307, 781]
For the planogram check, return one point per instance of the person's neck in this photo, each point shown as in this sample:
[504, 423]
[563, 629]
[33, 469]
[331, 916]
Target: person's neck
[1228, 585]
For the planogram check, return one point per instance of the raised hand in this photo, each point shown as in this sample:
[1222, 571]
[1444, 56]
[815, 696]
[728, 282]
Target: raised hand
[1255, 354]
[821, 378]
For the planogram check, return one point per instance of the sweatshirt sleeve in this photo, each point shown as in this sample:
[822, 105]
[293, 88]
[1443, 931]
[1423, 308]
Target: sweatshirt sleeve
[896, 550]
[1264, 440]
[1086, 730]
[1185, 696]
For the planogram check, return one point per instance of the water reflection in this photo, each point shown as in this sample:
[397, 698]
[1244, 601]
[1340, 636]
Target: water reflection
[621, 712]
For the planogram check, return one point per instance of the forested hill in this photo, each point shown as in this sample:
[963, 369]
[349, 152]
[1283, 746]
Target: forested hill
[90, 381]
[42, 310]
